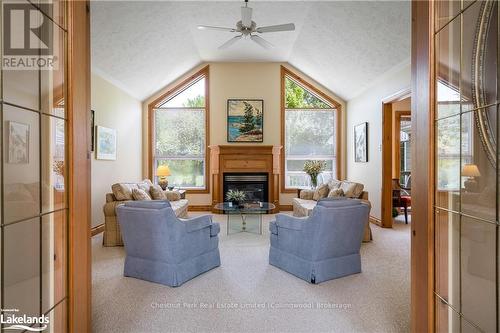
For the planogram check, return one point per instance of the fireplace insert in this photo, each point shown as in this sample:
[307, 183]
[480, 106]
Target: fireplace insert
[255, 185]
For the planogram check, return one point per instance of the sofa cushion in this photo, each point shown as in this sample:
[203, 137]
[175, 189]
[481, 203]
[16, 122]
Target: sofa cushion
[123, 191]
[140, 195]
[335, 193]
[334, 183]
[351, 189]
[157, 193]
[321, 192]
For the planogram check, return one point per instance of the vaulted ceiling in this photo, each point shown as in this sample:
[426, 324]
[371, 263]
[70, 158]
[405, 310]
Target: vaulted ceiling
[344, 45]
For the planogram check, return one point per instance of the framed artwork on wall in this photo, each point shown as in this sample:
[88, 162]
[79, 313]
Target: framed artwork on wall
[106, 143]
[245, 120]
[92, 130]
[18, 143]
[361, 143]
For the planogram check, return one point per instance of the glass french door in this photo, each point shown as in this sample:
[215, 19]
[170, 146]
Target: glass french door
[466, 172]
[33, 192]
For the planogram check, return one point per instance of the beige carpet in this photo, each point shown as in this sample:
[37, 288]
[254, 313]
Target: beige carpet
[246, 294]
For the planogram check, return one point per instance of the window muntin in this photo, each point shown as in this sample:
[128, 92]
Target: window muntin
[310, 134]
[180, 136]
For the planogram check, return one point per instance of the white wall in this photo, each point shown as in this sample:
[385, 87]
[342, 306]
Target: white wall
[239, 80]
[367, 107]
[116, 109]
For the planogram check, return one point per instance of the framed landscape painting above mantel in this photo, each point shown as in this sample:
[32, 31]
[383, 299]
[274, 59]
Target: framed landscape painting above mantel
[245, 120]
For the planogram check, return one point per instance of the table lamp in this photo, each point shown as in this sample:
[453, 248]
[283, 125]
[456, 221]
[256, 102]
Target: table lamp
[471, 171]
[163, 172]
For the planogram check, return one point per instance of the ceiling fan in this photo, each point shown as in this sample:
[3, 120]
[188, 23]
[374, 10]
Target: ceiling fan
[246, 28]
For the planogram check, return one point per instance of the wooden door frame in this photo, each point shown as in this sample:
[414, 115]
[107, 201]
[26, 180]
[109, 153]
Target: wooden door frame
[422, 312]
[78, 109]
[387, 140]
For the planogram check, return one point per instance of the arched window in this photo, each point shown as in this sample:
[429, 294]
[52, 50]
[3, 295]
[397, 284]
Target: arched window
[310, 131]
[179, 133]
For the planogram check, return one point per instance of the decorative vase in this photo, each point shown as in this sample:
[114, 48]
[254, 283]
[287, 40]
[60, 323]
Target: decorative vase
[314, 180]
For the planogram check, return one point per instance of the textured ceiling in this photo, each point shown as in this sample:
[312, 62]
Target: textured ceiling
[142, 46]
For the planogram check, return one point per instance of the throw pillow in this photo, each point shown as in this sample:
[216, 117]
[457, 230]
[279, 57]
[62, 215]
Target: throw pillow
[145, 185]
[351, 189]
[123, 191]
[335, 193]
[334, 183]
[306, 194]
[321, 192]
[157, 193]
[140, 194]
[173, 195]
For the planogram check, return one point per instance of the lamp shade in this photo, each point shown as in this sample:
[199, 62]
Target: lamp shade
[163, 171]
[470, 170]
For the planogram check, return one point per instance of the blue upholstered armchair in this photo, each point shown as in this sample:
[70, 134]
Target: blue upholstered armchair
[324, 245]
[164, 249]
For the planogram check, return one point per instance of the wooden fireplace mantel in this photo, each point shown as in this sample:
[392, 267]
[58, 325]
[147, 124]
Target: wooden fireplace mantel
[245, 158]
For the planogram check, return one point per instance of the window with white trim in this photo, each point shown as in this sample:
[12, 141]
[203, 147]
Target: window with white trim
[179, 135]
[310, 134]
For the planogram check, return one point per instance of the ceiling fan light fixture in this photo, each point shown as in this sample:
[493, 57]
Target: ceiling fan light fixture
[247, 28]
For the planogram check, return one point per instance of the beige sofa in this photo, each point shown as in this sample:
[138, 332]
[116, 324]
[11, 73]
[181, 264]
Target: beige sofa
[304, 205]
[122, 192]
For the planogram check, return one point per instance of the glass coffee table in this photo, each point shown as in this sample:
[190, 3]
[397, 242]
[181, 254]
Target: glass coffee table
[245, 218]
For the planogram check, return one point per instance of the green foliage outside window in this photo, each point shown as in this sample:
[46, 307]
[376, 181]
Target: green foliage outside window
[296, 97]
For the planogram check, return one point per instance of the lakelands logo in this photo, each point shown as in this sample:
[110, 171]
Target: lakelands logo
[12, 321]
[28, 36]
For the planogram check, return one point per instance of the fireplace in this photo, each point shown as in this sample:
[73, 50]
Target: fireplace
[259, 164]
[255, 185]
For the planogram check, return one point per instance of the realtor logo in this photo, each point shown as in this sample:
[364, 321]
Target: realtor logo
[13, 321]
[28, 36]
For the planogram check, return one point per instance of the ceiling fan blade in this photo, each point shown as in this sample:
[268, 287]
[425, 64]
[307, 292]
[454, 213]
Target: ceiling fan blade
[230, 42]
[208, 27]
[246, 16]
[276, 28]
[262, 42]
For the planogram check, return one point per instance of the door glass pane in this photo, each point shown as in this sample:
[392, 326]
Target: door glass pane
[448, 70]
[447, 259]
[479, 196]
[21, 164]
[54, 255]
[52, 82]
[446, 10]
[21, 84]
[479, 54]
[54, 166]
[58, 319]
[478, 258]
[448, 162]
[447, 320]
[22, 267]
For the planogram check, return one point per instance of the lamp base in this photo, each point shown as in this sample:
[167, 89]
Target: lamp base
[163, 183]
[470, 185]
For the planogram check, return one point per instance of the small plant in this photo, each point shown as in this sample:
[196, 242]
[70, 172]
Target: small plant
[313, 168]
[235, 196]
